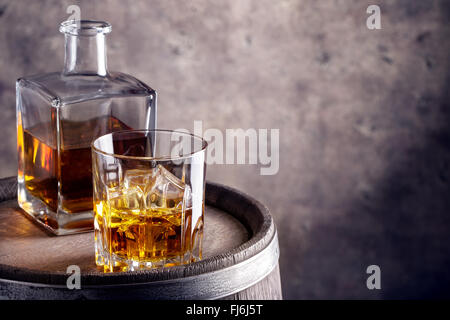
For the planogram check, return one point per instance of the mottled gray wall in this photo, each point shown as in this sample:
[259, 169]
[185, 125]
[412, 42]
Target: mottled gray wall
[363, 118]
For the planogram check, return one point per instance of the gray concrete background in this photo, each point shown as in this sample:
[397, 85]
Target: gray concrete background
[363, 118]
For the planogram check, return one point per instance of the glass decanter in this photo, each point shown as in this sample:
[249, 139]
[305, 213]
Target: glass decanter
[59, 114]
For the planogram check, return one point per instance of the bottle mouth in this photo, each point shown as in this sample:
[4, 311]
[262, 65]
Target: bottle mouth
[84, 27]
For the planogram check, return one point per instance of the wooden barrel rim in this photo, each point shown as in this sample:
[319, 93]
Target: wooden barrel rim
[238, 268]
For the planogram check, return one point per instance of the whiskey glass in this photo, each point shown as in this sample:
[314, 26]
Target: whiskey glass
[149, 193]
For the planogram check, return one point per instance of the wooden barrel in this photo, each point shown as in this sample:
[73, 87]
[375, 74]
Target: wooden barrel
[240, 257]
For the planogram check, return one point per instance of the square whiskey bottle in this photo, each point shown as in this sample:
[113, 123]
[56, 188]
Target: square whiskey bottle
[59, 114]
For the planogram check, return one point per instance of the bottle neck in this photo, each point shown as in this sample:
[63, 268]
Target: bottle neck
[85, 55]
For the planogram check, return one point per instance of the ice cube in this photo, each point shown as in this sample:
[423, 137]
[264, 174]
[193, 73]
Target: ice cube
[126, 200]
[167, 192]
[140, 178]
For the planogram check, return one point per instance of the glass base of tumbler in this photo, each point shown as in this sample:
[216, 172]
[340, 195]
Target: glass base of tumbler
[114, 263]
[58, 223]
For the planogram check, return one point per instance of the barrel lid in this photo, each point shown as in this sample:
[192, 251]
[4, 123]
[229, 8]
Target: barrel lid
[250, 256]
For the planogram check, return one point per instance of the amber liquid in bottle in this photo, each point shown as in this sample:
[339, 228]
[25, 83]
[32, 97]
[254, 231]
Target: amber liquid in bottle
[73, 168]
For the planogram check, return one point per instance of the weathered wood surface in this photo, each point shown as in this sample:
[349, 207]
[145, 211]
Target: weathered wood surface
[240, 257]
[25, 244]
